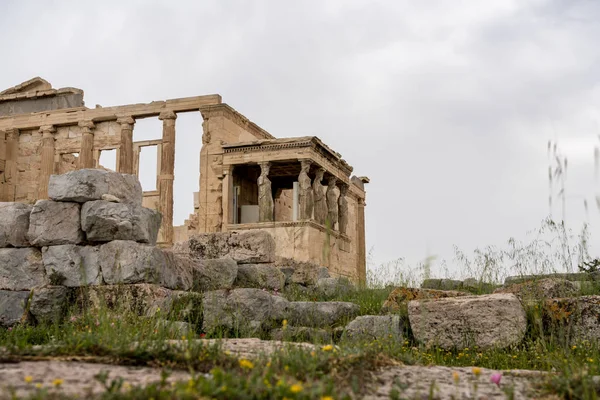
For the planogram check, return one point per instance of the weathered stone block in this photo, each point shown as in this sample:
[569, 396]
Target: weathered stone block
[141, 299]
[263, 276]
[541, 289]
[488, 321]
[91, 184]
[21, 269]
[321, 314]
[214, 274]
[442, 284]
[399, 297]
[103, 221]
[374, 327]
[12, 307]
[49, 304]
[246, 310]
[71, 265]
[245, 247]
[330, 287]
[301, 334]
[53, 223]
[576, 318]
[14, 224]
[178, 274]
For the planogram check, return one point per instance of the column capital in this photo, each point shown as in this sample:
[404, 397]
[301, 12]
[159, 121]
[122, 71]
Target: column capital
[86, 126]
[47, 130]
[125, 120]
[167, 115]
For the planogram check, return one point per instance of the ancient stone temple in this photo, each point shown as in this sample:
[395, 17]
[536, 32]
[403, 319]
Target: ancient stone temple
[298, 189]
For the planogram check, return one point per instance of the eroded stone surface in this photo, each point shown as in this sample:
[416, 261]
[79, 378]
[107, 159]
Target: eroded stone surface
[214, 274]
[496, 320]
[52, 223]
[14, 224]
[21, 269]
[399, 297]
[374, 327]
[141, 299]
[244, 248]
[262, 276]
[71, 265]
[321, 314]
[541, 289]
[330, 287]
[302, 333]
[49, 304]
[12, 306]
[85, 185]
[577, 317]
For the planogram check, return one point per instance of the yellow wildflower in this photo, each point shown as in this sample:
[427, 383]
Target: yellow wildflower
[29, 379]
[455, 377]
[126, 386]
[296, 388]
[57, 382]
[326, 398]
[327, 347]
[284, 323]
[268, 364]
[38, 385]
[247, 364]
[476, 371]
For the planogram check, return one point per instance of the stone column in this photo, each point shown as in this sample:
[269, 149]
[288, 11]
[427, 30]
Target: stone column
[227, 198]
[332, 204]
[86, 154]
[167, 169]
[343, 209]
[305, 192]
[319, 198]
[265, 194]
[10, 169]
[361, 266]
[126, 148]
[47, 164]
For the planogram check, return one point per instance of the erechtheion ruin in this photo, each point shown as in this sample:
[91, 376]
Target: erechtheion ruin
[298, 189]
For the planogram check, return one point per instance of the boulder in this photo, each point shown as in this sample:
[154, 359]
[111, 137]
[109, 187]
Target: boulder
[71, 265]
[321, 314]
[374, 327]
[21, 269]
[91, 184]
[302, 272]
[103, 221]
[330, 287]
[53, 223]
[541, 289]
[214, 274]
[245, 248]
[178, 273]
[400, 296]
[488, 321]
[13, 306]
[301, 334]
[49, 304]
[569, 276]
[141, 299]
[442, 284]
[577, 317]
[125, 261]
[15, 224]
[262, 276]
[287, 272]
[248, 311]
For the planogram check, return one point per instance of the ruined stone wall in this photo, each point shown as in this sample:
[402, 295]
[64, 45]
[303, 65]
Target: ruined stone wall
[31, 105]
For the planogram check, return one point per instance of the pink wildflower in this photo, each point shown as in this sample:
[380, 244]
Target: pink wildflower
[495, 378]
[73, 319]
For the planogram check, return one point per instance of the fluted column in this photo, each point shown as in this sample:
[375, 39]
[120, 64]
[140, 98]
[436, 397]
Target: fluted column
[166, 177]
[86, 154]
[10, 170]
[126, 149]
[47, 164]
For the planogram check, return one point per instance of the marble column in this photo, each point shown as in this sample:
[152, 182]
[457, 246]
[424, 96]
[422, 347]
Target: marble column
[10, 169]
[332, 202]
[361, 245]
[320, 201]
[86, 154]
[265, 194]
[47, 163]
[126, 147]
[305, 192]
[343, 209]
[166, 177]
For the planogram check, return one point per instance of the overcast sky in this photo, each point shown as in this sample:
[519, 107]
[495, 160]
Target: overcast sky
[446, 105]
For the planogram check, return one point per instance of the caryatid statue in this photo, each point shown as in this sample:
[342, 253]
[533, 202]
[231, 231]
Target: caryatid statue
[265, 194]
[305, 193]
[319, 196]
[343, 209]
[332, 202]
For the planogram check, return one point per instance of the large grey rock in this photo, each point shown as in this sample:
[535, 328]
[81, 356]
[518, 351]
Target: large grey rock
[103, 221]
[442, 284]
[301, 272]
[178, 274]
[541, 289]
[245, 248]
[569, 276]
[262, 276]
[141, 299]
[14, 224]
[21, 269]
[488, 321]
[12, 307]
[125, 261]
[576, 318]
[321, 314]
[71, 265]
[245, 310]
[399, 297]
[214, 274]
[53, 223]
[49, 304]
[374, 327]
[91, 184]
[301, 334]
[330, 287]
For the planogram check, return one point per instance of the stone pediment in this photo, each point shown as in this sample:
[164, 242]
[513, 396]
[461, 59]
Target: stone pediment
[32, 85]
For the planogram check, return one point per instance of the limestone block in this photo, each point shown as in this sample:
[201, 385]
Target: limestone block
[179, 271]
[374, 327]
[53, 223]
[302, 273]
[125, 261]
[91, 184]
[576, 316]
[262, 276]
[399, 297]
[141, 299]
[246, 310]
[245, 248]
[49, 304]
[214, 274]
[21, 269]
[330, 287]
[103, 221]
[321, 314]
[12, 307]
[541, 289]
[71, 265]
[441, 284]
[488, 321]
[14, 224]
[301, 334]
